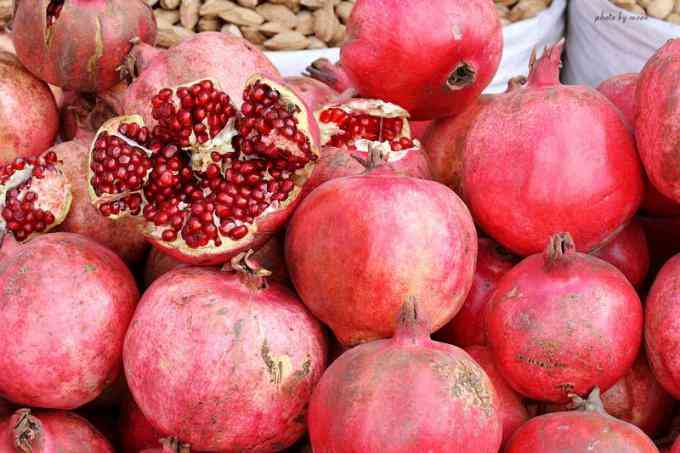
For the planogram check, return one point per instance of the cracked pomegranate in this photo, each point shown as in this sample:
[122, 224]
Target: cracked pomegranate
[79, 45]
[210, 181]
[563, 322]
[314, 93]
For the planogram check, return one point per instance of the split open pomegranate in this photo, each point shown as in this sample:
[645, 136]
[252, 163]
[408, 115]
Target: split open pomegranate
[210, 180]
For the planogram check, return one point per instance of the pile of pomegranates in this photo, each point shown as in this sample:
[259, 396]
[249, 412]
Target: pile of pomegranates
[198, 254]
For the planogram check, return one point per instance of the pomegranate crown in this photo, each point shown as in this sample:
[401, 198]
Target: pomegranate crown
[546, 70]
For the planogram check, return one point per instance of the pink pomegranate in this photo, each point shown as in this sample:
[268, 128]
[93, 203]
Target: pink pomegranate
[468, 328]
[455, 56]
[29, 119]
[207, 181]
[72, 299]
[136, 433]
[279, 347]
[79, 45]
[410, 237]
[568, 165]
[587, 429]
[314, 93]
[628, 251]
[400, 395]
[512, 411]
[657, 126]
[563, 322]
[620, 90]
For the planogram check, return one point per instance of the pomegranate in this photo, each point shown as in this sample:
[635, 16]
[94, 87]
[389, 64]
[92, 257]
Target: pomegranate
[79, 45]
[620, 90]
[50, 431]
[104, 422]
[511, 408]
[587, 429]
[314, 93]
[410, 237]
[136, 433]
[418, 128]
[455, 56]
[72, 299]
[563, 322]
[658, 205]
[124, 237]
[657, 126]
[628, 251]
[185, 380]
[567, 164]
[662, 238]
[5, 408]
[676, 446]
[169, 445]
[369, 395]
[206, 181]
[29, 119]
[84, 113]
[467, 328]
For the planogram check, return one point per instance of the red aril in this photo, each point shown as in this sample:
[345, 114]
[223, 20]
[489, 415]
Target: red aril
[563, 322]
[409, 237]
[628, 251]
[314, 93]
[546, 158]
[432, 58]
[76, 44]
[72, 300]
[251, 356]
[207, 181]
[402, 394]
[29, 119]
[620, 90]
[468, 327]
[136, 433]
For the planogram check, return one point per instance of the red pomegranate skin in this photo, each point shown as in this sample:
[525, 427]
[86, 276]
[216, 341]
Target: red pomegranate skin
[72, 299]
[676, 447]
[563, 322]
[628, 251]
[409, 237]
[57, 432]
[418, 128]
[87, 43]
[546, 158]
[314, 93]
[468, 327]
[661, 327]
[122, 236]
[662, 239]
[136, 433]
[401, 395]
[29, 119]
[222, 365]
[512, 411]
[657, 125]
[620, 90]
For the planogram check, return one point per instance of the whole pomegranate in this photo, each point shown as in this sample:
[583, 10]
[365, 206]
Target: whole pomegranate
[72, 300]
[186, 381]
[50, 431]
[77, 44]
[29, 119]
[401, 395]
[314, 93]
[620, 90]
[512, 411]
[546, 158]
[207, 180]
[657, 125]
[136, 433]
[455, 56]
[587, 429]
[409, 237]
[628, 251]
[662, 240]
[468, 327]
[563, 322]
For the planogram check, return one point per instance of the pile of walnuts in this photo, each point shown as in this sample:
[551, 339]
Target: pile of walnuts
[668, 10]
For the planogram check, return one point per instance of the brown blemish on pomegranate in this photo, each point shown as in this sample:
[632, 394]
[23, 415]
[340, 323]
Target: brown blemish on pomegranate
[546, 364]
[466, 385]
[98, 51]
[462, 76]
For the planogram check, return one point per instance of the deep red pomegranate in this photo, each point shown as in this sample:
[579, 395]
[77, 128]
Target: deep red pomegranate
[136, 433]
[588, 429]
[418, 128]
[123, 236]
[662, 238]
[79, 44]
[84, 113]
[168, 445]
[662, 326]
[658, 205]
[5, 408]
[185, 380]
[50, 431]
[72, 300]
[628, 251]
[432, 58]
[657, 125]
[563, 322]
[207, 181]
[401, 395]
[511, 408]
[104, 422]
[620, 90]
[314, 93]
[547, 158]
[468, 327]
[29, 119]
[409, 237]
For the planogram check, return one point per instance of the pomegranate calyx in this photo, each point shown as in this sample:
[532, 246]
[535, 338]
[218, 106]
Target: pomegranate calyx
[591, 404]
[173, 445]
[559, 247]
[545, 71]
[412, 327]
[27, 431]
[252, 274]
[331, 74]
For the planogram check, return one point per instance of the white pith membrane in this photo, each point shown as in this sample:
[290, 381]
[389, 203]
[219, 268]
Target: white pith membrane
[35, 196]
[186, 161]
[378, 124]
